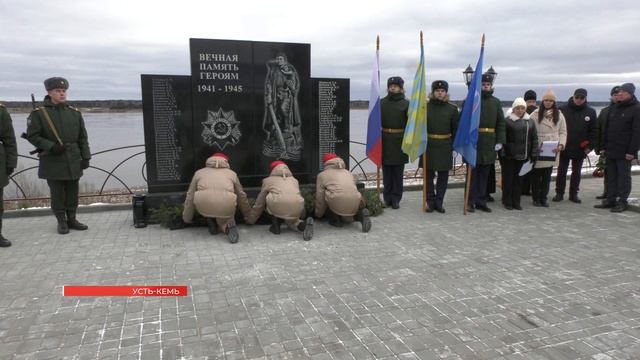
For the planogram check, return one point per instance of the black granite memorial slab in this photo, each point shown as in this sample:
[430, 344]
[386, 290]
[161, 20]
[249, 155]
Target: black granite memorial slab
[166, 107]
[331, 109]
[239, 88]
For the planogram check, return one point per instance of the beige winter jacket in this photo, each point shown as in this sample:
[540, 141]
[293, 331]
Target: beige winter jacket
[336, 188]
[280, 194]
[214, 192]
[548, 131]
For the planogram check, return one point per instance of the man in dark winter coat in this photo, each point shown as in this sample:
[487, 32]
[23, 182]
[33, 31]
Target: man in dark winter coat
[58, 129]
[602, 122]
[621, 143]
[491, 136]
[393, 109]
[582, 130]
[442, 125]
[8, 161]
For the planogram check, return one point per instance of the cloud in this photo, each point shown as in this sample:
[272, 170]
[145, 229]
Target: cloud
[103, 47]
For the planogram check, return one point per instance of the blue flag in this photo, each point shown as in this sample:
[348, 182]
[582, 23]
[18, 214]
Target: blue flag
[466, 140]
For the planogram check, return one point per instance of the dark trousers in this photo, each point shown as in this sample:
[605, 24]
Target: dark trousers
[491, 180]
[561, 178]
[1, 202]
[479, 180]
[435, 194]
[511, 181]
[540, 179]
[526, 183]
[605, 182]
[64, 195]
[392, 176]
[618, 180]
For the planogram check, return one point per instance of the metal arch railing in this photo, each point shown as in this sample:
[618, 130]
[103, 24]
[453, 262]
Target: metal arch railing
[109, 174]
[457, 168]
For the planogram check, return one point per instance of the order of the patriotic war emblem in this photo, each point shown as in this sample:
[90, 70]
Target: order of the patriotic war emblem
[221, 129]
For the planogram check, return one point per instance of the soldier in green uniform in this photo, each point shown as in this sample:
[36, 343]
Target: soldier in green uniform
[393, 109]
[58, 130]
[8, 161]
[442, 124]
[491, 136]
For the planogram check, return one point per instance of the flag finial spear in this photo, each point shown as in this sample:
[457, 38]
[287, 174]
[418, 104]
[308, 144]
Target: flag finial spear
[420, 37]
[378, 42]
[482, 40]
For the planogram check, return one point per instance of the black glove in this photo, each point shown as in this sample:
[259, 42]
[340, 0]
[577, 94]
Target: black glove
[84, 163]
[10, 171]
[534, 158]
[58, 149]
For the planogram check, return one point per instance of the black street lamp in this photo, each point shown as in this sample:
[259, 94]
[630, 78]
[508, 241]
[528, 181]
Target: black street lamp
[491, 72]
[468, 75]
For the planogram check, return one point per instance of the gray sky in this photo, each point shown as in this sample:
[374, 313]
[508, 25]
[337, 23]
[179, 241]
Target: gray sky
[102, 47]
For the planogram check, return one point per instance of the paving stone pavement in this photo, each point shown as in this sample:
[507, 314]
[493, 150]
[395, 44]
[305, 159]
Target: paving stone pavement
[556, 283]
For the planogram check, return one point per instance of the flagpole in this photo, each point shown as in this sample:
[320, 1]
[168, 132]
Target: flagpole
[468, 175]
[425, 186]
[466, 188]
[378, 167]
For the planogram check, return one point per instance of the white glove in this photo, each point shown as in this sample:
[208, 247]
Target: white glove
[498, 147]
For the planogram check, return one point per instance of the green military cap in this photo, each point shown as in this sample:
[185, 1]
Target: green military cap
[56, 83]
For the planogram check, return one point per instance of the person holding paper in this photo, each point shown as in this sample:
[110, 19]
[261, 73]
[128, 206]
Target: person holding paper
[551, 129]
[521, 145]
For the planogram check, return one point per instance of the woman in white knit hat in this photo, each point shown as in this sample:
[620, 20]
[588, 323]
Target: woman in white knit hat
[521, 145]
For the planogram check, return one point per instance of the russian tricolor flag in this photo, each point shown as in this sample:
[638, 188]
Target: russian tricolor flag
[374, 127]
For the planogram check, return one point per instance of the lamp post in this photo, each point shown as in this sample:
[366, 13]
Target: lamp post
[468, 75]
[491, 72]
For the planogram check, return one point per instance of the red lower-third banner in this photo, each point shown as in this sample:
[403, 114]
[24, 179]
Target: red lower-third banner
[129, 290]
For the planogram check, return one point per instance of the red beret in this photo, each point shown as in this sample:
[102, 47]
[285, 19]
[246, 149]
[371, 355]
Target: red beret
[328, 157]
[276, 163]
[221, 155]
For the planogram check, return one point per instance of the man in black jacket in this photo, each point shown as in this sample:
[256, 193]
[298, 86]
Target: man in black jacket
[621, 143]
[602, 122]
[582, 130]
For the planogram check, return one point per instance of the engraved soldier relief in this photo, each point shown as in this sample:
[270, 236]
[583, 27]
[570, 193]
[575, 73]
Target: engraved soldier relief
[221, 129]
[281, 121]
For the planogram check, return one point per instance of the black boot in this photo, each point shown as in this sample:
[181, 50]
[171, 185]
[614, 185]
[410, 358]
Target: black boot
[621, 206]
[363, 217]
[275, 225]
[63, 226]
[602, 196]
[306, 228]
[232, 232]
[574, 198]
[3, 241]
[73, 223]
[213, 226]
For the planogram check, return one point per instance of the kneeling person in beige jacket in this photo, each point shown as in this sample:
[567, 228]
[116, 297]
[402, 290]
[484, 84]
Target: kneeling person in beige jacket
[215, 191]
[337, 196]
[280, 194]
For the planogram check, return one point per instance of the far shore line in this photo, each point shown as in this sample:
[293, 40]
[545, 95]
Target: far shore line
[120, 106]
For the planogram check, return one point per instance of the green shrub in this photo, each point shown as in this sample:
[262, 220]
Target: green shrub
[372, 201]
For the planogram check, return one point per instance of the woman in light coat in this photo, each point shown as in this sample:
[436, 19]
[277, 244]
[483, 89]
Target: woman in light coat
[550, 126]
